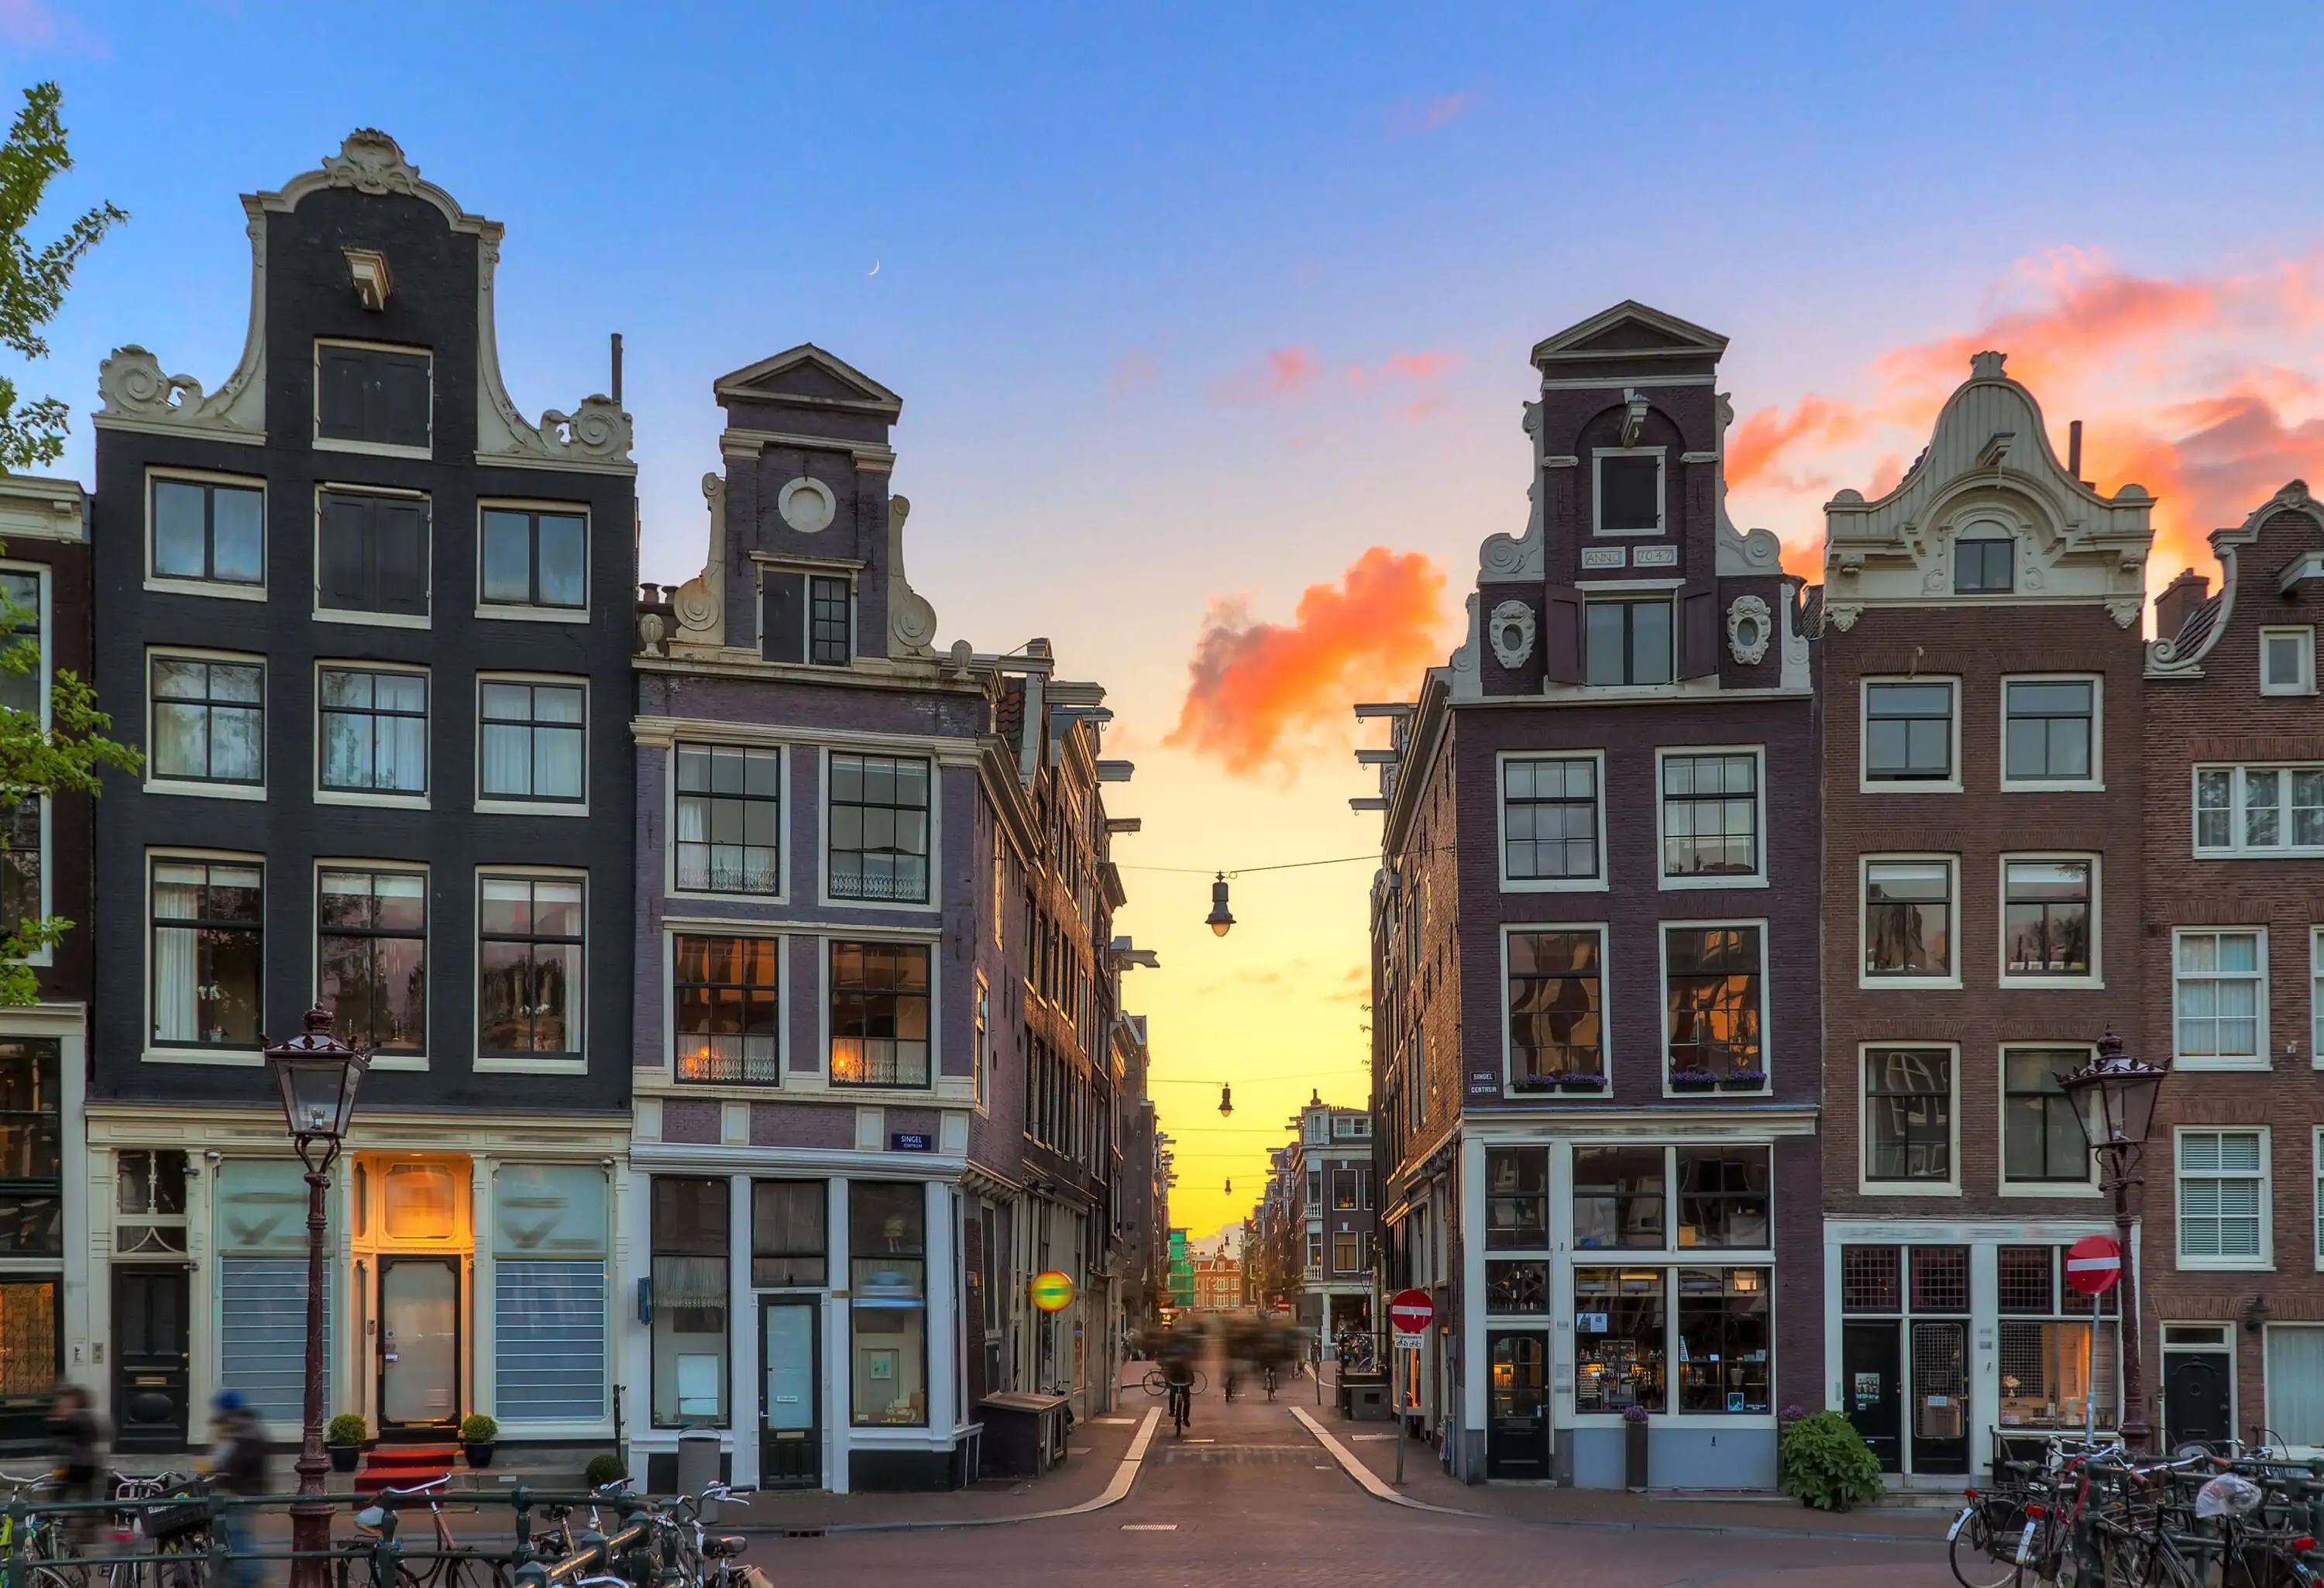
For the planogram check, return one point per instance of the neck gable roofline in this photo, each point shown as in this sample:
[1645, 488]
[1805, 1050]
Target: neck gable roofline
[2180, 653]
[1988, 473]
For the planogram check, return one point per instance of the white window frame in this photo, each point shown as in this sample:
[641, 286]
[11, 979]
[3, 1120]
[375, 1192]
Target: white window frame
[1605, 1009]
[45, 576]
[1983, 533]
[578, 1063]
[1755, 878]
[2316, 997]
[178, 786]
[212, 588]
[2305, 684]
[937, 764]
[253, 1057]
[1866, 980]
[1868, 1186]
[981, 1012]
[675, 927]
[2236, 848]
[369, 448]
[323, 796]
[1865, 783]
[527, 613]
[1662, 1003]
[493, 804]
[419, 868]
[1597, 884]
[732, 737]
[2097, 779]
[2004, 1184]
[2205, 1061]
[340, 615]
[2318, 1243]
[2005, 977]
[1597, 457]
[2265, 1260]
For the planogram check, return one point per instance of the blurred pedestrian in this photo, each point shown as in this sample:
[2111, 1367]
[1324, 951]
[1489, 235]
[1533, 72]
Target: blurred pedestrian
[74, 1434]
[238, 1465]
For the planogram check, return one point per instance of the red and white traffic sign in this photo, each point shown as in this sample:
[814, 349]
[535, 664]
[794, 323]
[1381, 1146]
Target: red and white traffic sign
[1411, 1311]
[2094, 1264]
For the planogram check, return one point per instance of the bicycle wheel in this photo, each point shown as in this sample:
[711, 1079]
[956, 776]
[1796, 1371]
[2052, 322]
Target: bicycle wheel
[1200, 1384]
[1985, 1556]
[1156, 1384]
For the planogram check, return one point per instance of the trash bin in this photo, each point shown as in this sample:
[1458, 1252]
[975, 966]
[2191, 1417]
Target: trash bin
[697, 1465]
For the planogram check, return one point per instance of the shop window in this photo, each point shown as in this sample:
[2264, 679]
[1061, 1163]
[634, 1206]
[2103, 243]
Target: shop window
[260, 1211]
[32, 1184]
[1723, 1340]
[1940, 1279]
[1619, 1339]
[1617, 1199]
[1722, 1197]
[2295, 1385]
[2055, 1372]
[886, 1245]
[691, 1224]
[1517, 1288]
[1871, 1279]
[550, 1321]
[787, 1233]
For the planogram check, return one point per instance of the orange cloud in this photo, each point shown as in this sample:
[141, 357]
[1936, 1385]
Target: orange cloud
[1286, 373]
[1411, 115]
[1253, 686]
[2233, 451]
[1766, 435]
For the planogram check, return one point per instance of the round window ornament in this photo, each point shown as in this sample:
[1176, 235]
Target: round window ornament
[1748, 629]
[807, 506]
[1511, 631]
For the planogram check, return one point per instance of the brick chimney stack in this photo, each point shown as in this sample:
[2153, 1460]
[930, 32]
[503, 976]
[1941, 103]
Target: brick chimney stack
[2178, 602]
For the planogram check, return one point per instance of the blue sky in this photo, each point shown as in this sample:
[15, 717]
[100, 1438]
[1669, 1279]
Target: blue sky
[1094, 226]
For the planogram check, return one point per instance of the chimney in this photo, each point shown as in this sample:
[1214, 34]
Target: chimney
[2074, 451]
[616, 392]
[2178, 602]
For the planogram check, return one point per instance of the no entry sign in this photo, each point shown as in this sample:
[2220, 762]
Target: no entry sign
[1411, 1311]
[2094, 1264]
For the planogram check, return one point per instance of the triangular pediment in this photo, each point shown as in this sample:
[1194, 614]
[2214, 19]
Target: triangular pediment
[807, 374]
[1630, 329]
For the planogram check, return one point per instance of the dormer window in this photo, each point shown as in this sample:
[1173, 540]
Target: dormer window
[1986, 566]
[1629, 491]
[807, 618]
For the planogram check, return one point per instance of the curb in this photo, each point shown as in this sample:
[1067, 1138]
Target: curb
[1116, 1491]
[1372, 1483]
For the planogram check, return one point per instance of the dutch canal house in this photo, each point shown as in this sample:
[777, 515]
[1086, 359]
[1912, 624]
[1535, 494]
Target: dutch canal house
[372, 627]
[1982, 784]
[1596, 1044]
[882, 1074]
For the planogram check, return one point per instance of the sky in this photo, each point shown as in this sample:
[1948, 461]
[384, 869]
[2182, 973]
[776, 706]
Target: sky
[1211, 322]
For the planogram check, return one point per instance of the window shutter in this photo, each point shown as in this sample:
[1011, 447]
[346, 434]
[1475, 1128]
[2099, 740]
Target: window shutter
[402, 399]
[339, 400]
[342, 553]
[1561, 635]
[782, 617]
[1698, 631]
[400, 556]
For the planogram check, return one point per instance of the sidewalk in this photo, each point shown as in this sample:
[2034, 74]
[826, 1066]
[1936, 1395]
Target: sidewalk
[1373, 1444]
[1096, 1451]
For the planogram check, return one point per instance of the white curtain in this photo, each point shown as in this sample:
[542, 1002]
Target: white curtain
[176, 896]
[508, 759]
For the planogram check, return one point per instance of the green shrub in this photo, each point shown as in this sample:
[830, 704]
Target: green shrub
[346, 1428]
[603, 1469]
[476, 1428]
[1824, 1461]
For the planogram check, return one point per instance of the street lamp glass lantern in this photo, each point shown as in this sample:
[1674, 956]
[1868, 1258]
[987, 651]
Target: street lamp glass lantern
[2113, 1096]
[1220, 919]
[318, 1076]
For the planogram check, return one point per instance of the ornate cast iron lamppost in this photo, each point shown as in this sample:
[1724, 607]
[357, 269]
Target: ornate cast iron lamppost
[2113, 1096]
[318, 1076]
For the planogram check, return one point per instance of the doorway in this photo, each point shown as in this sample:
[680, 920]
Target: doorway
[2199, 1368]
[1871, 1366]
[149, 1359]
[1939, 1396]
[791, 1409]
[1517, 1423]
[419, 1345]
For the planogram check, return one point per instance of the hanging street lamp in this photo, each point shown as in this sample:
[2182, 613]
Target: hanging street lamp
[1226, 1101]
[1220, 919]
[318, 1076]
[2113, 1098]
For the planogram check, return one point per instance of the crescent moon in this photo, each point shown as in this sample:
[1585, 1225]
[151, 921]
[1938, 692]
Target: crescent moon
[875, 268]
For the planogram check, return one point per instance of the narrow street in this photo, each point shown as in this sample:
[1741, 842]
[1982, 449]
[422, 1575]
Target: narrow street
[1249, 1497]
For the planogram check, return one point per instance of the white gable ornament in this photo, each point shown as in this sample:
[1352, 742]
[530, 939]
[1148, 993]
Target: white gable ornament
[1748, 630]
[1512, 632]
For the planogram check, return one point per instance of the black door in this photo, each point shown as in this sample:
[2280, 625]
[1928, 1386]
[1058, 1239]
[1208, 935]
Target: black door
[790, 1439]
[149, 1359]
[1517, 1426]
[1869, 1367]
[1940, 1396]
[2195, 1403]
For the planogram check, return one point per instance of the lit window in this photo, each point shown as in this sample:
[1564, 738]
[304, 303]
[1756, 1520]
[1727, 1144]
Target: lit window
[727, 1005]
[880, 1028]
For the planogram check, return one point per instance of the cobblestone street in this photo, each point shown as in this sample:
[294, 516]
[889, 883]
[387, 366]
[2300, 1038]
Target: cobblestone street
[1250, 1497]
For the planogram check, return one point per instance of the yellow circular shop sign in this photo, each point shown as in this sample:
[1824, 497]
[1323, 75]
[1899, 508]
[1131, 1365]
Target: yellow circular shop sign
[1052, 1291]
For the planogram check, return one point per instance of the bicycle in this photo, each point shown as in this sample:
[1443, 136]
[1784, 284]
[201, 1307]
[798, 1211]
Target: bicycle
[1157, 1383]
[451, 1566]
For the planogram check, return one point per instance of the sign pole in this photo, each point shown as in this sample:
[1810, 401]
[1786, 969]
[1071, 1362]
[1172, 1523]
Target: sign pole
[1401, 1422]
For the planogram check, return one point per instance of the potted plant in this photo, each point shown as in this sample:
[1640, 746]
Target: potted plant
[1743, 1081]
[1692, 1080]
[477, 1433]
[345, 1440]
[1533, 1084]
[604, 1468]
[1579, 1081]
[1634, 1471]
[1824, 1461]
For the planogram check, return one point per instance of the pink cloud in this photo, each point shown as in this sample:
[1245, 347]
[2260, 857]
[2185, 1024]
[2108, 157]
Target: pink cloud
[35, 25]
[1134, 370]
[1285, 372]
[1411, 115]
